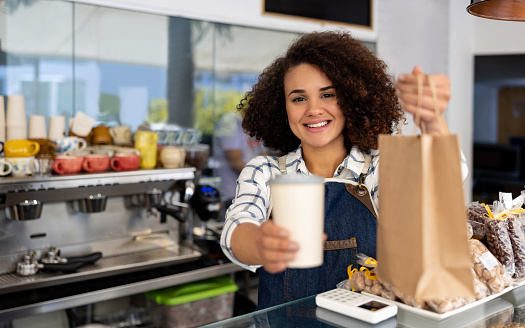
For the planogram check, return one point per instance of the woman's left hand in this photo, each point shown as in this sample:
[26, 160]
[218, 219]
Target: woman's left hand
[407, 91]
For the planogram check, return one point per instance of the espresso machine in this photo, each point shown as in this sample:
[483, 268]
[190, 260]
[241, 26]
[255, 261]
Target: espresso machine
[58, 230]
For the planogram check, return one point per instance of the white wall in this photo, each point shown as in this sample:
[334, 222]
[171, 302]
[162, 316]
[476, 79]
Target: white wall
[496, 37]
[240, 12]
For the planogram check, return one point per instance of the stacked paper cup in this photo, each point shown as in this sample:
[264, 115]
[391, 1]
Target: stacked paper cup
[37, 127]
[57, 127]
[16, 124]
[2, 119]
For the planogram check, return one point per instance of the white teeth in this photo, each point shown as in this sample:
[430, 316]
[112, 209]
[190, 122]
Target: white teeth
[317, 125]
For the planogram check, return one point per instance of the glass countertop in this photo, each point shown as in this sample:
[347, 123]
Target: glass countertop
[305, 313]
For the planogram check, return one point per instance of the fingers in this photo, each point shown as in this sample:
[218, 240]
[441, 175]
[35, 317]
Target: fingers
[275, 248]
[409, 103]
[408, 93]
[417, 70]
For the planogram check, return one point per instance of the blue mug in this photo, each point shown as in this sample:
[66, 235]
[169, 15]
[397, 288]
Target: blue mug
[71, 143]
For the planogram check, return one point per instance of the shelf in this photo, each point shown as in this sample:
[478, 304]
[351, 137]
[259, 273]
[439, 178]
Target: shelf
[59, 188]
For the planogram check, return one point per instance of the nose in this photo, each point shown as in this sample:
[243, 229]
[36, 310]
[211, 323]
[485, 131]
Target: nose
[315, 108]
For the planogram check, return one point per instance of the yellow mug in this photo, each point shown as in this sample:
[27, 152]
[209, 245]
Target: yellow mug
[146, 143]
[21, 148]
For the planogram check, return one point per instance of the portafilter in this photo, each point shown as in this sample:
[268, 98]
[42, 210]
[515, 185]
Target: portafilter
[26, 210]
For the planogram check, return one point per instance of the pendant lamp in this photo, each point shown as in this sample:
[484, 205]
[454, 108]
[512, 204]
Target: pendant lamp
[510, 10]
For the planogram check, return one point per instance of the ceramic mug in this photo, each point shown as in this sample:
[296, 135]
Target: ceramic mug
[5, 167]
[95, 163]
[21, 148]
[67, 164]
[23, 165]
[121, 135]
[70, 143]
[101, 135]
[47, 147]
[125, 162]
[146, 143]
[86, 138]
[172, 157]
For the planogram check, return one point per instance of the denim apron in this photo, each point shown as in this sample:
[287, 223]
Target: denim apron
[350, 225]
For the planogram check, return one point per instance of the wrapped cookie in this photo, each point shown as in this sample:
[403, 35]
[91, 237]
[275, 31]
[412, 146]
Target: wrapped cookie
[481, 290]
[488, 269]
[364, 280]
[442, 305]
[409, 300]
[356, 279]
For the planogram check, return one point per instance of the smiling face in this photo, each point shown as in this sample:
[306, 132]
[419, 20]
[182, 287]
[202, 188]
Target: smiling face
[313, 113]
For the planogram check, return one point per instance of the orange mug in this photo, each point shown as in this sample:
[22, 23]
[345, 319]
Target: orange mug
[95, 163]
[67, 164]
[125, 162]
[101, 135]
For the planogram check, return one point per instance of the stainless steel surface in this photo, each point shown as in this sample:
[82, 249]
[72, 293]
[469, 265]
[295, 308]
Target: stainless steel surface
[77, 221]
[106, 266]
[121, 291]
[111, 232]
[46, 189]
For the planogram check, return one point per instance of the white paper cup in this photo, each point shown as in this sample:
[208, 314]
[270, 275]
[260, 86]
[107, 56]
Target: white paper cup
[37, 127]
[16, 111]
[57, 127]
[2, 119]
[16, 133]
[298, 206]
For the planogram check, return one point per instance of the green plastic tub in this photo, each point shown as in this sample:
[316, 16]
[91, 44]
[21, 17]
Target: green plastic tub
[193, 304]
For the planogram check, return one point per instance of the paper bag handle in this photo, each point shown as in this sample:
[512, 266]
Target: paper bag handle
[420, 100]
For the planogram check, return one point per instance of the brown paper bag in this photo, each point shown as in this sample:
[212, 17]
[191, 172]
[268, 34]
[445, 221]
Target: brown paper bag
[422, 242]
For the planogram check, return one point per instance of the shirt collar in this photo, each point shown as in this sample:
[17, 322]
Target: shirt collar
[354, 162]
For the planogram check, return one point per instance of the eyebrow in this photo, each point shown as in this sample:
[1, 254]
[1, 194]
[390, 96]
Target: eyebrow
[301, 90]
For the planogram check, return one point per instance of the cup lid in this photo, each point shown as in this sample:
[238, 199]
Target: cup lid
[296, 178]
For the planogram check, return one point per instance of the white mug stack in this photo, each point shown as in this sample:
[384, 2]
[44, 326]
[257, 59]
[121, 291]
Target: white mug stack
[2, 119]
[15, 117]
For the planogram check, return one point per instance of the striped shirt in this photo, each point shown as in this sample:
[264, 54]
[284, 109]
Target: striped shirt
[252, 199]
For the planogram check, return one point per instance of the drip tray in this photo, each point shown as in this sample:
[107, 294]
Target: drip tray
[106, 266]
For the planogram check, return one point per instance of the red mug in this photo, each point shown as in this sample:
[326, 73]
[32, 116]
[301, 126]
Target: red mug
[95, 163]
[67, 164]
[125, 162]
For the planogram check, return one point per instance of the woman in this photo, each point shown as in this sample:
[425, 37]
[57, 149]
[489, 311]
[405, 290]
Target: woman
[323, 104]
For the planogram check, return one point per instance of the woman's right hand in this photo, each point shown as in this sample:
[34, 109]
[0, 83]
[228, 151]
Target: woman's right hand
[274, 247]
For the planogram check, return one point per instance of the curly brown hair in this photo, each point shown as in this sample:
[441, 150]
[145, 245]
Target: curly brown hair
[365, 92]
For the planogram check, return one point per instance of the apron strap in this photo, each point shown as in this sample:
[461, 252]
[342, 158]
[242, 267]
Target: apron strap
[282, 164]
[362, 176]
[361, 193]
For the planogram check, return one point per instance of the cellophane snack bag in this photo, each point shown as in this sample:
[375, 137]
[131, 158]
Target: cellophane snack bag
[488, 269]
[477, 216]
[498, 238]
[511, 209]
